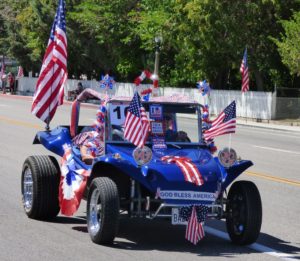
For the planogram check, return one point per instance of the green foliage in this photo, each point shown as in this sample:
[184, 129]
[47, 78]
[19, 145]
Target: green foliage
[202, 39]
[289, 45]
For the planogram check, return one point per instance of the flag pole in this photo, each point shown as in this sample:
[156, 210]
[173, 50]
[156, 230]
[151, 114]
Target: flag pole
[48, 119]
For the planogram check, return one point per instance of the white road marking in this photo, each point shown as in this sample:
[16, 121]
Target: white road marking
[274, 132]
[275, 149]
[255, 246]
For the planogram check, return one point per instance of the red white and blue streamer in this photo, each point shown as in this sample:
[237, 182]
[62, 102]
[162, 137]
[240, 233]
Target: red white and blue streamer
[146, 75]
[72, 183]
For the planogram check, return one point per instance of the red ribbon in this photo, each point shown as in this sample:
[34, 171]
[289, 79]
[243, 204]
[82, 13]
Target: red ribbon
[188, 168]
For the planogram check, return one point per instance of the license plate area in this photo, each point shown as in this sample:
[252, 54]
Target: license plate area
[175, 218]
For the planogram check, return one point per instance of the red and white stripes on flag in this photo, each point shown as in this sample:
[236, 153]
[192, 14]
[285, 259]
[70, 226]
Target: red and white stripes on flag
[49, 91]
[20, 72]
[245, 73]
[136, 123]
[187, 167]
[225, 123]
[194, 230]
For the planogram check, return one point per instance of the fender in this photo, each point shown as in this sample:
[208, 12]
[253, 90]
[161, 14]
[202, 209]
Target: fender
[54, 140]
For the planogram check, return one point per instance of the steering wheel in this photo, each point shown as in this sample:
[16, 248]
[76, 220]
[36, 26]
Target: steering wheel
[182, 137]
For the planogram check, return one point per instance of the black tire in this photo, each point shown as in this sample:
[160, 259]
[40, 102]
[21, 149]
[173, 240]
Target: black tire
[244, 213]
[103, 207]
[40, 178]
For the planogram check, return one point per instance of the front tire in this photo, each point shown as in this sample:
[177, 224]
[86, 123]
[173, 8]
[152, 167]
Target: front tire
[40, 182]
[103, 210]
[244, 213]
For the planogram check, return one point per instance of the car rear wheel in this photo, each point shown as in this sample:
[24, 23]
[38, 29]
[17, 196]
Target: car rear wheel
[244, 213]
[39, 185]
[103, 210]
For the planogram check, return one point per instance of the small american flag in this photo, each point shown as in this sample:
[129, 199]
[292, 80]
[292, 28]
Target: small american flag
[244, 72]
[225, 123]
[194, 229]
[20, 72]
[49, 91]
[136, 123]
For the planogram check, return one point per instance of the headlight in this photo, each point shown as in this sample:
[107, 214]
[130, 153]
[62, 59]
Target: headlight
[142, 156]
[227, 157]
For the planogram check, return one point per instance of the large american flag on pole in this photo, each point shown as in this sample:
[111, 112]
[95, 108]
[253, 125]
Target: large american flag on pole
[245, 73]
[49, 90]
[136, 122]
[225, 123]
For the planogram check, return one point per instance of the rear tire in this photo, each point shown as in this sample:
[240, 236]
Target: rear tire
[244, 213]
[103, 207]
[40, 183]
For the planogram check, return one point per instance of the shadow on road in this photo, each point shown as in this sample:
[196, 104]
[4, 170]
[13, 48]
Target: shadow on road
[140, 234]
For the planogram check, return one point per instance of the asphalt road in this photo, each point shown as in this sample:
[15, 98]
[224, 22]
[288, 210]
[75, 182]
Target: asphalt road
[276, 157]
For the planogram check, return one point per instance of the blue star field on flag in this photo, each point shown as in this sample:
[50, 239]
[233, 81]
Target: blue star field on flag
[186, 212]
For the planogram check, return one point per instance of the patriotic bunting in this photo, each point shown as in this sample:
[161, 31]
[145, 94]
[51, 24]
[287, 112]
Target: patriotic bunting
[72, 183]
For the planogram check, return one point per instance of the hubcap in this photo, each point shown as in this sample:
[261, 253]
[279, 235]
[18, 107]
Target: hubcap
[95, 212]
[27, 189]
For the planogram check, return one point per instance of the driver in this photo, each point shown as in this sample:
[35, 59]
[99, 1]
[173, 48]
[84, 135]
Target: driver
[171, 134]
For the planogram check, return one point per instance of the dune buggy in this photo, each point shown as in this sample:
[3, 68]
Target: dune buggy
[148, 182]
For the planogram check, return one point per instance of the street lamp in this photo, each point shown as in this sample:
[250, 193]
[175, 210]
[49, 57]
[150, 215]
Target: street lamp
[158, 40]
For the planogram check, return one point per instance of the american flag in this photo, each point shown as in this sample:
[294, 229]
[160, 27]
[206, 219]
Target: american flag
[225, 123]
[244, 72]
[20, 72]
[195, 215]
[49, 90]
[136, 122]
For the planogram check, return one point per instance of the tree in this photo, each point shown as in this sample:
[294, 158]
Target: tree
[289, 44]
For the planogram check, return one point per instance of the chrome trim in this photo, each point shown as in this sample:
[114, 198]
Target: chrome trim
[27, 189]
[94, 213]
[164, 205]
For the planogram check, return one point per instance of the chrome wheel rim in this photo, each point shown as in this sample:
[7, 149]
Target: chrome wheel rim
[95, 212]
[27, 189]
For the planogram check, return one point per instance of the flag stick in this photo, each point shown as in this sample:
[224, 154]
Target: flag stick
[229, 145]
[246, 107]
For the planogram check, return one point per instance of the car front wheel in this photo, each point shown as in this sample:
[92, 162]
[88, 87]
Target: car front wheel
[244, 213]
[103, 210]
[39, 186]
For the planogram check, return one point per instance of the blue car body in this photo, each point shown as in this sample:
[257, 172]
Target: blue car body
[157, 174]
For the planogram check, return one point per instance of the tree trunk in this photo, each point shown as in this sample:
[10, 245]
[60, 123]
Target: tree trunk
[258, 81]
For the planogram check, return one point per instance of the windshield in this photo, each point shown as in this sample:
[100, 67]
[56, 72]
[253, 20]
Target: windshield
[172, 122]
